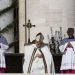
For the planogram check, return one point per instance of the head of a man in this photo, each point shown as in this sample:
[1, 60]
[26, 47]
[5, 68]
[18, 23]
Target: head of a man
[70, 32]
[39, 40]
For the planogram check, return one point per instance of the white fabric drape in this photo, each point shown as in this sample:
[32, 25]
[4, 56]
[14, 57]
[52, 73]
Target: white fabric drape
[48, 58]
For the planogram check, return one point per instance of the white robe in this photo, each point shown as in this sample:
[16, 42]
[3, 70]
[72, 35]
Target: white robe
[37, 65]
[68, 57]
[2, 57]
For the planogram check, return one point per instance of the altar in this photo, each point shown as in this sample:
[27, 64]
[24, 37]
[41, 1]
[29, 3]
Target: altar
[14, 62]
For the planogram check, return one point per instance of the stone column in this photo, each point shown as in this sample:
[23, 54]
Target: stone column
[21, 23]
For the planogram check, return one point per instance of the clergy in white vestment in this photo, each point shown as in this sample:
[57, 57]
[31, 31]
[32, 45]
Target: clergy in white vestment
[3, 47]
[38, 58]
[67, 47]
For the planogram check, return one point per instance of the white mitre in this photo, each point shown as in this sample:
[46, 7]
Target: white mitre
[39, 37]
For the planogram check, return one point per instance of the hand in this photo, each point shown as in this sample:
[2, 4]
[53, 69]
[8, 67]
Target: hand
[39, 55]
[69, 45]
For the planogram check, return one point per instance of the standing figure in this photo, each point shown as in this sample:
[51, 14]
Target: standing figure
[67, 47]
[3, 47]
[38, 58]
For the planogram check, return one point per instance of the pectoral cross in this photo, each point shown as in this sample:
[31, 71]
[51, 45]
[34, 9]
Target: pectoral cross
[29, 26]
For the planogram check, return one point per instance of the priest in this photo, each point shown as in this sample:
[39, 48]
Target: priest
[67, 48]
[38, 58]
[3, 47]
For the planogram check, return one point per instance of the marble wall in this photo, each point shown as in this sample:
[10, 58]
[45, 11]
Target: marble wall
[21, 23]
[50, 13]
